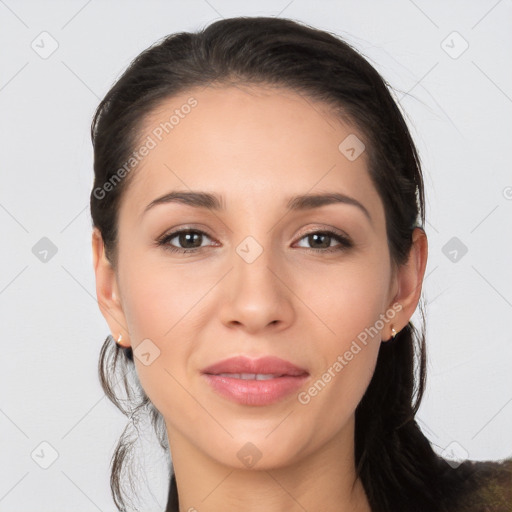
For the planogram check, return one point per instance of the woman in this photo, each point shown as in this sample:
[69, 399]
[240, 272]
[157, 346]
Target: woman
[259, 251]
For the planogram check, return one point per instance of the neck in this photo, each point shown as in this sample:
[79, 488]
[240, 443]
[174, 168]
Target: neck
[324, 480]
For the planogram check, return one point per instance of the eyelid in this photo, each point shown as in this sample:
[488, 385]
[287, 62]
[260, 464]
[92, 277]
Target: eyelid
[324, 228]
[174, 232]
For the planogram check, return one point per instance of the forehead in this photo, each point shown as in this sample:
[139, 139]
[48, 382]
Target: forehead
[247, 142]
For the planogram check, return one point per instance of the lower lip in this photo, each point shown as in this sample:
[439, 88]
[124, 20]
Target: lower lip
[255, 392]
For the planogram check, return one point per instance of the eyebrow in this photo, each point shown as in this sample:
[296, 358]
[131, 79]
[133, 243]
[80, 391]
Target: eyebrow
[214, 202]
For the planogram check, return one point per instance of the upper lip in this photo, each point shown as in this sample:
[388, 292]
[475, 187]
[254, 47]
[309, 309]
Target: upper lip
[266, 365]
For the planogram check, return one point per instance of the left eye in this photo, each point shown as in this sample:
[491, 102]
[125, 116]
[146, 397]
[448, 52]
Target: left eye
[321, 241]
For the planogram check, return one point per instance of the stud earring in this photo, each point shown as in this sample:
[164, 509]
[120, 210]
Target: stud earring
[393, 333]
[126, 350]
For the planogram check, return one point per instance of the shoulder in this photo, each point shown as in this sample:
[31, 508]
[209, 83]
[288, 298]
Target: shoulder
[488, 488]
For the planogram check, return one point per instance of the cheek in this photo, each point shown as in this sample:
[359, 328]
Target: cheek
[162, 303]
[347, 352]
[335, 394]
[160, 299]
[347, 297]
[349, 301]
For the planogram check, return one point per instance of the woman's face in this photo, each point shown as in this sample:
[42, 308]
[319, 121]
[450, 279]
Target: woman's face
[251, 278]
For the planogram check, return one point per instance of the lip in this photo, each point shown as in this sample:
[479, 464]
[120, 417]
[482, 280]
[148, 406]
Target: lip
[251, 391]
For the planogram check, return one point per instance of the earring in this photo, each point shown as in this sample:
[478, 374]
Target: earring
[393, 333]
[118, 341]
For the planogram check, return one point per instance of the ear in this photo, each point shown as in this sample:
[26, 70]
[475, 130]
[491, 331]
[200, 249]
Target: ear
[408, 281]
[107, 291]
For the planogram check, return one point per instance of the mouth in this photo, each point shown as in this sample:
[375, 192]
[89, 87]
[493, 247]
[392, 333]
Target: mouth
[255, 382]
[250, 376]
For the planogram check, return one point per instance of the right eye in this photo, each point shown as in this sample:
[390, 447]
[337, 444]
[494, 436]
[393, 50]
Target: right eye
[189, 239]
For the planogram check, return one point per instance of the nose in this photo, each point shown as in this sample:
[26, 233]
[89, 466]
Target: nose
[257, 296]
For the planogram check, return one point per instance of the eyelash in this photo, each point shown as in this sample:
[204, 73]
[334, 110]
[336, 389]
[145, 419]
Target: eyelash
[345, 243]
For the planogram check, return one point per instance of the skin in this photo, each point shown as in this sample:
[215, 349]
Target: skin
[256, 147]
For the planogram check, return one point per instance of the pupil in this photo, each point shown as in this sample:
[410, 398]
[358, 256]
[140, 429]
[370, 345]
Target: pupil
[315, 237]
[187, 237]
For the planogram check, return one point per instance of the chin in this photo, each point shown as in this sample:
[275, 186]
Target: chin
[260, 451]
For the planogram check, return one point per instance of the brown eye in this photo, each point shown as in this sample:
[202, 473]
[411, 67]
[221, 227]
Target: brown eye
[319, 240]
[190, 240]
[322, 241]
[186, 240]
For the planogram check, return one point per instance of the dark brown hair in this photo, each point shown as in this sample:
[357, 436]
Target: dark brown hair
[395, 461]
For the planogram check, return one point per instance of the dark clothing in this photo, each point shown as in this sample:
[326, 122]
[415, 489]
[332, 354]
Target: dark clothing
[490, 489]
[172, 500]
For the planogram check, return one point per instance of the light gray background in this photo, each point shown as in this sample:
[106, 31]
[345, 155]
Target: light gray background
[459, 111]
